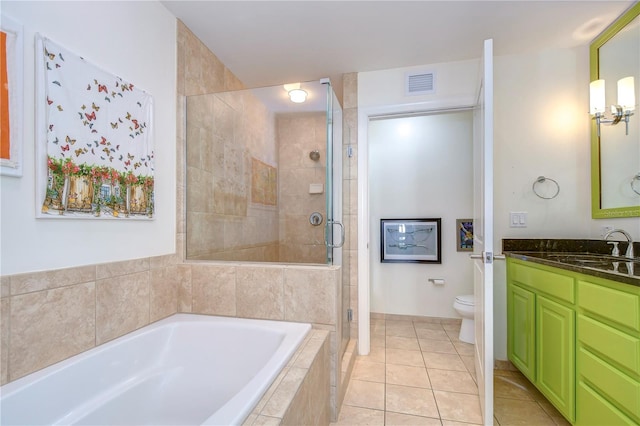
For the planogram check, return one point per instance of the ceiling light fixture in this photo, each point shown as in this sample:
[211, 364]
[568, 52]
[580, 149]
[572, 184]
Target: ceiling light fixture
[296, 94]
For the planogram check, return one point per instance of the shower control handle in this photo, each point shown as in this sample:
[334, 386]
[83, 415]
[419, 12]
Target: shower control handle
[315, 219]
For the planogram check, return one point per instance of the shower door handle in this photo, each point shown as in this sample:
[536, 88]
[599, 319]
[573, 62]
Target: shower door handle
[329, 228]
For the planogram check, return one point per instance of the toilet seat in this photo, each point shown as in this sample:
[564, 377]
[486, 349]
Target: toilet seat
[467, 300]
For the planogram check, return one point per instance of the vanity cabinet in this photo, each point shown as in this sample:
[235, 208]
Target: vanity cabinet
[576, 337]
[608, 358]
[541, 330]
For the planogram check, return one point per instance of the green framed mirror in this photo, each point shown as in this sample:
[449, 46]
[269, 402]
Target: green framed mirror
[615, 155]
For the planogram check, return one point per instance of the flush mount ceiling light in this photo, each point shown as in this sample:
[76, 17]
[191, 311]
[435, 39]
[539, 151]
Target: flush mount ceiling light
[296, 94]
[620, 112]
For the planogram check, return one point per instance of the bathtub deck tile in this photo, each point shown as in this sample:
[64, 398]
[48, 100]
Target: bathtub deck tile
[267, 421]
[281, 398]
[309, 352]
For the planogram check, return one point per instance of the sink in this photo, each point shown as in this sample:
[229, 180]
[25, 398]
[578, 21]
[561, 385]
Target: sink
[598, 262]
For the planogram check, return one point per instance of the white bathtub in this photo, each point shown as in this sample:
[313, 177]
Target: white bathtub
[183, 370]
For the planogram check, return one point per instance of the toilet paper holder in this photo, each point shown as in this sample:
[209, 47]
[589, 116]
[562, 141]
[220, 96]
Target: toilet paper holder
[437, 281]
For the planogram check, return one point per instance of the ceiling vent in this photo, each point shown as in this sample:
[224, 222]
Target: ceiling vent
[420, 83]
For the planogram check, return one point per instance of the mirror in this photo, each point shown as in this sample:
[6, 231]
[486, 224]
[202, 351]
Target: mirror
[615, 156]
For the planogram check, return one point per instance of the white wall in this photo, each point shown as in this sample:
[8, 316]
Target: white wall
[421, 167]
[136, 41]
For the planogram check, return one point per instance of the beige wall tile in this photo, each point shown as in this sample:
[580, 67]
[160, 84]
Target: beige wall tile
[310, 295]
[5, 286]
[49, 326]
[4, 340]
[115, 269]
[350, 90]
[185, 294]
[122, 305]
[164, 261]
[163, 288]
[36, 281]
[214, 289]
[260, 293]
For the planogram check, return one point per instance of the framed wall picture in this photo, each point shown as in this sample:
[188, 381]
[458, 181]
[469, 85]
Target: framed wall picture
[11, 96]
[410, 240]
[464, 234]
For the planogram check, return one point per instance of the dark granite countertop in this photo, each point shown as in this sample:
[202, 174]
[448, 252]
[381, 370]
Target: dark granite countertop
[590, 257]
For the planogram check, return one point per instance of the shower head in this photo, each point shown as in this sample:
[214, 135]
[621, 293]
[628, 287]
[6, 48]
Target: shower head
[314, 155]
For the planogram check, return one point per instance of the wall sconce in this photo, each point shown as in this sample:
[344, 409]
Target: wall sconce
[296, 94]
[621, 111]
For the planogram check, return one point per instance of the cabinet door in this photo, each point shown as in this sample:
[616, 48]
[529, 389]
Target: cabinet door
[521, 330]
[555, 354]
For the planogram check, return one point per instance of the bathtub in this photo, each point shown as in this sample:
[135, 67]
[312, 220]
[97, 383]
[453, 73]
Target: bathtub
[183, 370]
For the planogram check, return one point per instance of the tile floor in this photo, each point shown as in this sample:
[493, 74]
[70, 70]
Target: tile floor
[419, 373]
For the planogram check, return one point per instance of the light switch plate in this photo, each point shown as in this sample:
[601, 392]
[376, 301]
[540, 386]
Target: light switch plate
[517, 219]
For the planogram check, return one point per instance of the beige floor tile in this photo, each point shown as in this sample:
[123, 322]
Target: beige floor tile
[365, 395]
[452, 381]
[398, 419]
[356, 416]
[409, 400]
[470, 363]
[442, 346]
[401, 331]
[452, 423]
[406, 343]
[419, 325]
[404, 357]
[510, 387]
[425, 333]
[452, 325]
[519, 412]
[464, 349]
[378, 340]
[368, 371]
[407, 375]
[453, 335]
[443, 361]
[458, 407]
[376, 354]
[555, 415]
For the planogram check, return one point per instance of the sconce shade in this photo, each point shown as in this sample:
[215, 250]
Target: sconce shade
[596, 97]
[626, 94]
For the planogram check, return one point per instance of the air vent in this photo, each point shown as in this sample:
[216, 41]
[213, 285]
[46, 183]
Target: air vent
[420, 83]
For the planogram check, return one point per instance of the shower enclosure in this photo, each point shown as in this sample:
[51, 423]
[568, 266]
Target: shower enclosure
[260, 175]
[264, 178]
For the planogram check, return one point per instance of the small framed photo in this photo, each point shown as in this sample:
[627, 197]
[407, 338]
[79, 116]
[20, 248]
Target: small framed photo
[464, 234]
[410, 240]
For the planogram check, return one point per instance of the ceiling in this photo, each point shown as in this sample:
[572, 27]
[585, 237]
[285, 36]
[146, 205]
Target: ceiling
[274, 42]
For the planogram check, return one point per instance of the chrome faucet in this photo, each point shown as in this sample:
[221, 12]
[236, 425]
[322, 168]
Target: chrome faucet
[629, 253]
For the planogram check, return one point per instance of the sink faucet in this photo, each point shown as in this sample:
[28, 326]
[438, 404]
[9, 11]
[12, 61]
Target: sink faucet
[629, 253]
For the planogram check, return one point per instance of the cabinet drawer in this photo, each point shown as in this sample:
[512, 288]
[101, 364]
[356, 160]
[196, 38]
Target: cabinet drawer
[615, 305]
[609, 381]
[616, 345]
[554, 284]
[595, 410]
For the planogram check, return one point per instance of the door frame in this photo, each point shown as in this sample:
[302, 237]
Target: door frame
[364, 116]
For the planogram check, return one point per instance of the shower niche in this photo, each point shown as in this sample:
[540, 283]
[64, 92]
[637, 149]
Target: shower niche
[257, 166]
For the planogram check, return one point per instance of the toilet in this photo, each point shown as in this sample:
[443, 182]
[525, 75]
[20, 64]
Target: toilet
[464, 306]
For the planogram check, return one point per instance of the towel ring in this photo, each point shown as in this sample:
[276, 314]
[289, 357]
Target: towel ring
[542, 179]
[635, 179]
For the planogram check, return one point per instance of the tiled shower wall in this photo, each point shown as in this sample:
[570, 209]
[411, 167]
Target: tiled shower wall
[298, 135]
[226, 132]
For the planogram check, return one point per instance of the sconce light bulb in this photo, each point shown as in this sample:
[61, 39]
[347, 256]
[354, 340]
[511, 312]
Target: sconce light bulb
[596, 97]
[626, 94]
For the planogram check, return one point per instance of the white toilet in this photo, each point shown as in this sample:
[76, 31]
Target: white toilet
[464, 306]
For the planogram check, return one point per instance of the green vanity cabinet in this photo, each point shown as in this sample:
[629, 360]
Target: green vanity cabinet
[608, 358]
[541, 330]
[576, 337]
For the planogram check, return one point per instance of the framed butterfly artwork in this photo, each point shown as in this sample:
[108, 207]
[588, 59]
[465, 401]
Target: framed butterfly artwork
[94, 139]
[11, 96]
